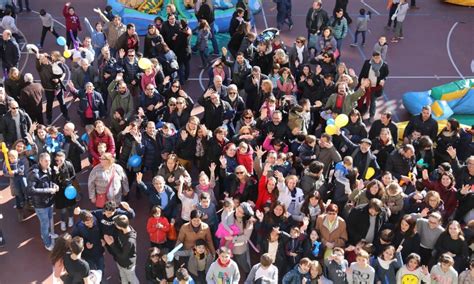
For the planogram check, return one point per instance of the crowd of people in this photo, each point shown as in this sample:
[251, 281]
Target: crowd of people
[268, 184]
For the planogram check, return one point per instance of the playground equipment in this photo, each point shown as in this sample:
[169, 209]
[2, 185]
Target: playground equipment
[145, 11]
[468, 3]
[453, 99]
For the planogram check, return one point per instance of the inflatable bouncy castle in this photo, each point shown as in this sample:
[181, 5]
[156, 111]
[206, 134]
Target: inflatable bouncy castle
[455, 99]
[143, 12]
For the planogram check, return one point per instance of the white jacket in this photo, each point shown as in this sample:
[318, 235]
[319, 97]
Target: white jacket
[285, 197]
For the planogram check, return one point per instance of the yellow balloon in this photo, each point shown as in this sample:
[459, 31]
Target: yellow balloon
[369, 173]
[144, 63]
[67, 53]
[341, 120]
[331, 129]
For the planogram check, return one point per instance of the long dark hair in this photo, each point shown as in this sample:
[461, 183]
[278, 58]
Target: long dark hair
[412, 226]
[61, 247]
[305, 206]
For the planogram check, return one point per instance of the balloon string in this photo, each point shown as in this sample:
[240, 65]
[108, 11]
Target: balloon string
[74, 40]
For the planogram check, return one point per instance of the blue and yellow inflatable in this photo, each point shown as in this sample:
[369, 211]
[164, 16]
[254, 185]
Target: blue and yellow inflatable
[146, 11]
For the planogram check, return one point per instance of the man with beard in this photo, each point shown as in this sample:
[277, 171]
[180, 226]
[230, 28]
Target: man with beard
[121, 97]
[344, 100]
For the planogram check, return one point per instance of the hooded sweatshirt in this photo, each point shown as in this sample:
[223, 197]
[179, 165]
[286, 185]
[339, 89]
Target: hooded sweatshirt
[124, 249]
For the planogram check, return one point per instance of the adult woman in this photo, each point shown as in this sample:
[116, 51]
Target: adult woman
[331, 229]
[202, 138]
[194, 230]
[181, 113]
[152, 41]
[326, 41]
[247, 119]
[39, 138]
[213, 148]
[313, 207]
[171, 171]
[445, 187]
[14, 84]
[107, 182]
[326, 62]
[346, 74]
[246, 135]
[155, 267]
[169, 109]
[374, 189]
[236, 102]
[174, 90]
[61, 247]
[239, 184]
[298, 54]
[424, 150]
[281, 58]
[186, 145]
[267, 191]
[339, 27]
[382, 147]
[449, 136]
[276, 217]
[101, 134]
[406, 236]
[286, 85]
[230, 151]
[217, 68]
[168, 60]
[237, 38]
[357, 129]
[244, 220]
[291, 195]
[425, 204]
[453, 243]
[131, 144]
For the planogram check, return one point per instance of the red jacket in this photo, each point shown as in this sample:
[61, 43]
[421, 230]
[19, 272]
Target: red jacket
[157, 235]
[94, 141]
[263, 195]
[448, 195]
[246, 159]
[72, 21]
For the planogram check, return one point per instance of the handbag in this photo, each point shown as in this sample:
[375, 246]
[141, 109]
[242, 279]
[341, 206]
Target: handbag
[172, 234]
[336, 54]
[101, 198]
[313, 40]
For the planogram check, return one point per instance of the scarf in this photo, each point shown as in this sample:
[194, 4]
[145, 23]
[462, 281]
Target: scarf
[385, 264]
[376, 67]
[299, 53]
[221, 264]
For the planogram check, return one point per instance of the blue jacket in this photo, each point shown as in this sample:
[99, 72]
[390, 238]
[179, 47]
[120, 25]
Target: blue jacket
[294, 276]
[170, 210]
[106, 225]
[90, 235]
[151, 152]
[98, 38]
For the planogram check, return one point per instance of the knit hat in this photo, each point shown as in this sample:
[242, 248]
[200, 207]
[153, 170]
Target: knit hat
[248, 210]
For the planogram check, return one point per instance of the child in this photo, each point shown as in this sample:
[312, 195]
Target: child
[306, 151]
[294, 246]
[189, 199]
[360, 272]
[204, 33]
[381, 47]
[227, 227]
[17, 181]
[73, 25]
[362, 26]
[157, 228]
[207, 185]
[341, 171]
[352, 251]
[101, 149]
[399, 16]
[336, 266]
[412, 272]
[387, 264]
[274, 144]
[200, 261]
[245, 156]
[282, 164]
[443, 272]
[182, 277]
[394, 200]
[275, 75]
[208, 208]
[270, 105]
[48, 26]
[54, 140]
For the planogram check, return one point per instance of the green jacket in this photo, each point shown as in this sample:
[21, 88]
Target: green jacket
[349, 101]
[124, 101]
[339, 31]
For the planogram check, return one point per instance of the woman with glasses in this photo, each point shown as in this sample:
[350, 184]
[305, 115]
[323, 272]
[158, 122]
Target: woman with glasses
[239, 184]
[331, 229]
[155, 267]
[247, 119]
[298, 55]
[236, 102]
[180, 116]
[327, 63]
[100, 134]
[213, 149]
[173, 91]
[171, 170]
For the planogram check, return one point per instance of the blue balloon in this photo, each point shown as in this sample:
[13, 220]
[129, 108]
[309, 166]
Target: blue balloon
[70, 192]
[330, 121]
[61, 41]
[134, 161]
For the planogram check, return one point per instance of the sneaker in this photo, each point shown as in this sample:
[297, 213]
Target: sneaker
[401, 37]
[290, 27]
[50, 247]
[63, 226]
[53, 235]
[70, 223]
[354, 44]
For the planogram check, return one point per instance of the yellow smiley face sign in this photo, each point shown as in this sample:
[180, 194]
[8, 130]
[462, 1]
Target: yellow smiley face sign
[410, 279]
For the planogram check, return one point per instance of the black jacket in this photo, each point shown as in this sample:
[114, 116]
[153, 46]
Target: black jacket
[10, 53]
[316, 20]
[358, 223]
[74, 150]
[428, 127]
[205, 13]
[63, 177]
[39, 187]
[8, 127]
[124, 249]
[377, 127]
[364, 72]
[96, 103]
[398, 165]
[214, 116]
[254, 93]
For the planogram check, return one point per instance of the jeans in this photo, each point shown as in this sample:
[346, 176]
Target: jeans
[45, 31]
[127, 275]
[19, 183]
[27, 4]
[399, 29]
[215, 46]
[390, 14]
[357, 35]
[45, 216]
[183, 71]
[204, 54]
[50, 95]
[97, 263]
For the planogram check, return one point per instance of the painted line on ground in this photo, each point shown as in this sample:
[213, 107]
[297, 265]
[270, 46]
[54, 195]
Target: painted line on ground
[264, 15]
[370, 7]
[448, 48]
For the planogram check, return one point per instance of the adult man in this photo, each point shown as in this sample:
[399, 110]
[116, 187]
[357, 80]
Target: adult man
[216, 111]
[152, 148]
[77, 269]
[376, 70]
[121, 97]
[83, 74]
[31, 98]
[279, 129]
[365, 222]
[316, 19]
[217, 86]
[401, 163]
[91, 104]
[9, 51]
[326, 153]
[113, 30]
[72, 147]
[128, 40]
[42, 190]
[362, 156]
[385, 121]
[108, 68]
[423, 123]
[85, 51]
[194, 230]
[429, 230]
[15, 124]
[464, 173]
[151, 102]
[344, 100]
[253, 90]
[162, 195]
[124, 249]
[241, 68]
[206, 12]
[170, 31]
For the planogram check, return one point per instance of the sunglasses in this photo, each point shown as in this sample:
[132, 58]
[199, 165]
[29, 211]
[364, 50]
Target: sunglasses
[298, 41]
[174, 86]
[155, 255]
[248, 117]
[14, 108]
[239, 173]
[172, 105]
[131, 55]
[179, 103]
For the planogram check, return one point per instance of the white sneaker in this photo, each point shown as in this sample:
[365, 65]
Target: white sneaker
[53, 235]
[63, 226]
[70, 223]
[50, 248]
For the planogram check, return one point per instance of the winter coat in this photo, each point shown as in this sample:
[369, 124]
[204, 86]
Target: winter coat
[157, 235]
[96, 103]
[188, 236]
[294, 276]
[90, 235]
[214, 116]
[31, 97]
[337, 234]
[124, 101]
[124, 249]
[339, 27]
[73, 151]
[154, 199]
[63, 178]
[73, 22]
[40, 187]
[177, 172]
[9, 53]
[8, 126]
[96, 139]
[358, 223]
[129, 147]
[349, 101]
